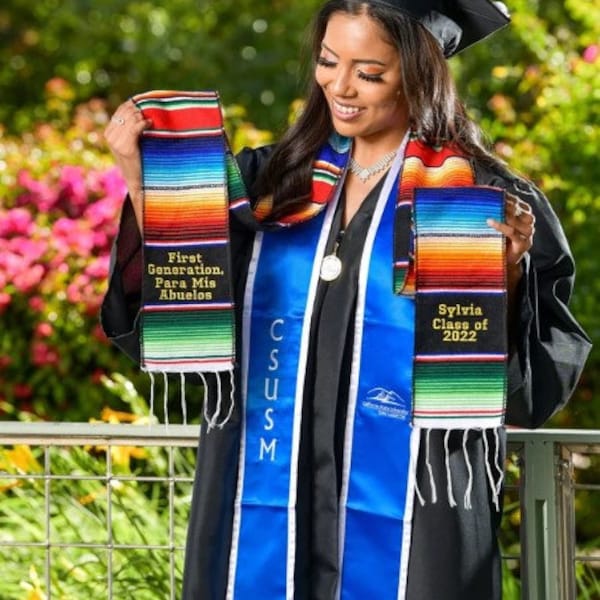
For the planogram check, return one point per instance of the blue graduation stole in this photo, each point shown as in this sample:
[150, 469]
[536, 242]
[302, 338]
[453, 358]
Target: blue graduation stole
[278, 311]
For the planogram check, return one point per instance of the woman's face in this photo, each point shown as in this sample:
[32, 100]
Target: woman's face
[359, 73]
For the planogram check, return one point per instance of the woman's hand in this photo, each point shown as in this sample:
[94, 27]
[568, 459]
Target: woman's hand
[519, 229]
[122, 136]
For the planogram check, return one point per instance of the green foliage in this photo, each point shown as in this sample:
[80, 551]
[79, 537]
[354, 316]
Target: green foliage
[588, 582]
[112, 49]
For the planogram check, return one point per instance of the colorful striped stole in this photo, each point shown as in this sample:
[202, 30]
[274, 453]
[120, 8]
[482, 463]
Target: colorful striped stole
[187, 309]
[447, 256]
[190, 182]
[461, 327]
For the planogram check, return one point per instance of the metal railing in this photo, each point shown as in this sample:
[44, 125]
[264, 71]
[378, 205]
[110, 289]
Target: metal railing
[67, 495]
[548, 489]
[546, 485]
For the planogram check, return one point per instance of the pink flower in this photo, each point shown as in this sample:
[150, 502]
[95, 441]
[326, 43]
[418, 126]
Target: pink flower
[591, 53]
[114, 184]
[17, 221]
[29, 278]
[30, 250]
[72, 234]
[74, 295]
[75, 290]
[98, 269]
[42, 354]
[73, 190]
[101, 240]
[40, 195]
[101, 212]
[37, 303]
[22, 391]
[4, 301]
[44, 330]
[12, 265]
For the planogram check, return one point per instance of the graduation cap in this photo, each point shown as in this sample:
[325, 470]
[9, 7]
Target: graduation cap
[455, 24]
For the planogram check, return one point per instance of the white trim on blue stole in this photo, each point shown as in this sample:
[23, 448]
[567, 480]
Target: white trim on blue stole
[378, 420]
[245, 581]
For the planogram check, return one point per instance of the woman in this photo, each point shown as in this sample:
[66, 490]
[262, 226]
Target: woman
[349, 498]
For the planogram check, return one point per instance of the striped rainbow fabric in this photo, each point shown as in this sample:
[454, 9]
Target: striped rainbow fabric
[424, 166]
[461, 328]
[328, 168]
[187, 310]
[191, 180]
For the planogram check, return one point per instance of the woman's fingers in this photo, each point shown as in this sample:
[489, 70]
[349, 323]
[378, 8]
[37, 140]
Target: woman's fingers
[518, 228]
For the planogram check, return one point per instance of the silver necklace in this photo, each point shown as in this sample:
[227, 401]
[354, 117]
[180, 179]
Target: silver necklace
[365, 173]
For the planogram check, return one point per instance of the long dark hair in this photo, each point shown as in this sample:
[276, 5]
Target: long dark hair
[436, 113]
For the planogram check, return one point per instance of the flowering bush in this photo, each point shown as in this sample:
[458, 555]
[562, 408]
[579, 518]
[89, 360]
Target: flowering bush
[58, 216]
[60, 196]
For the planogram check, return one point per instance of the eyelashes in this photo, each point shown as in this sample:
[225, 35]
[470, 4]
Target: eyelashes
[371, 78]
[329, 64]
[323, 62]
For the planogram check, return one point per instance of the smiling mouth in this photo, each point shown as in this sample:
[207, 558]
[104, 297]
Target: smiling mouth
[345, 110]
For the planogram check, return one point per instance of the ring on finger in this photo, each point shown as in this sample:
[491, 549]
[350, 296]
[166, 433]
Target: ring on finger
[518, 210]
[119, 120]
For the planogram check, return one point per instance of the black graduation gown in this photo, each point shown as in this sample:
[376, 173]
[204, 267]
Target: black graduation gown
[454, 552]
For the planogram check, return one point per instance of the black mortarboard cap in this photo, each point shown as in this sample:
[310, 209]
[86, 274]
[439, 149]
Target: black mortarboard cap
[456, 24]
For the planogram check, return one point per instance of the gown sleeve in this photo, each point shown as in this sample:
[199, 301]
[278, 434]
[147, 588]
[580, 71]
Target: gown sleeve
[120, 310]
[551, 347]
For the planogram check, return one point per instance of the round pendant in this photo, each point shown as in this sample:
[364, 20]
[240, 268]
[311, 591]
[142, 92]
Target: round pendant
[331, 267]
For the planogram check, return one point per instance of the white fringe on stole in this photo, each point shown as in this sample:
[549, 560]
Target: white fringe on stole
[152, 416]
[183, 402]
[212, 421]
[469, 490]
[451, 499]
[494, 486]
[166, 397]
[497, 462]
[492, 463]
[429, 468]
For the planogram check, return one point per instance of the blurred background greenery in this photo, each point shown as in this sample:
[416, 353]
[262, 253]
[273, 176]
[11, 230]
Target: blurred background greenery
[66, 64]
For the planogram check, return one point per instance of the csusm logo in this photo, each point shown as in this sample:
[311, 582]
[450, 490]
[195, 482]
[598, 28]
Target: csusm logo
[387, 403]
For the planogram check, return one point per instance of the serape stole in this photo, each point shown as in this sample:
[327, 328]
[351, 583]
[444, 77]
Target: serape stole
[461, 341]
[187, 308]
[447, 256]
[328, 168]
